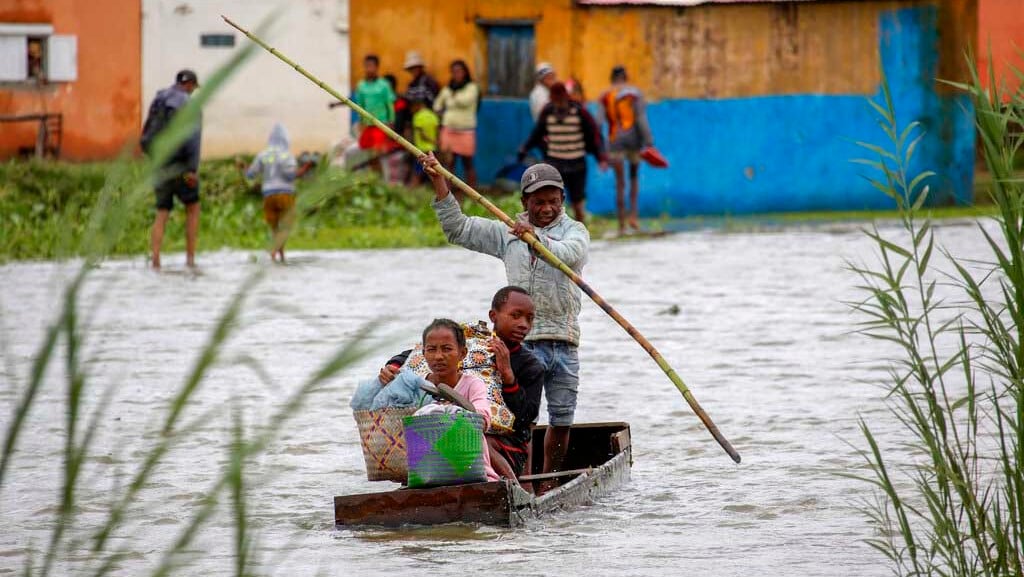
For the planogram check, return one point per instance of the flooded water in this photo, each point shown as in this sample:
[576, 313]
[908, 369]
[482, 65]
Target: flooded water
[762, 337]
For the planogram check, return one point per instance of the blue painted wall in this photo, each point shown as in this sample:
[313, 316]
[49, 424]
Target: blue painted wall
[781, 153]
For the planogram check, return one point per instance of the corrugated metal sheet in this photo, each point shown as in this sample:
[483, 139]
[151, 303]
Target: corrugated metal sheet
[675, 2]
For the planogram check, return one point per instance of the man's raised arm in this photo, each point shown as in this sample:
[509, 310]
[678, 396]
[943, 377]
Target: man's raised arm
[482, 235]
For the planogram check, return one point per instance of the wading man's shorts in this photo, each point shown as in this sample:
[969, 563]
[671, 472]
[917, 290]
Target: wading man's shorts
[175, 186]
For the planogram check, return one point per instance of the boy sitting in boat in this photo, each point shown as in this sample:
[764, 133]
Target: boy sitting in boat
[522, 377]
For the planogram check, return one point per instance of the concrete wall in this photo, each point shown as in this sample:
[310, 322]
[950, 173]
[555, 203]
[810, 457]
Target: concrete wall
[1001, 31]
[101, 108]
[756, 106]
[314, 33]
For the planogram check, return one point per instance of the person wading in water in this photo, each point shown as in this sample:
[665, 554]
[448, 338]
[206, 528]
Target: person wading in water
[628, 134]
[180, 175]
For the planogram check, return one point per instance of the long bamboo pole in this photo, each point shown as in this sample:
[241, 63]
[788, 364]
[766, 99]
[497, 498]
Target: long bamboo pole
[529, 238]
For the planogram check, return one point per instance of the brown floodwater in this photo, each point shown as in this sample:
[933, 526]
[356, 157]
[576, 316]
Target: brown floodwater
[760, 333]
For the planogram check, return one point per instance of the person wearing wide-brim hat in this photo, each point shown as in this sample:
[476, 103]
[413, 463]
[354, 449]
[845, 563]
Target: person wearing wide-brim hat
[541, 93]
[556, 331]
[421, 80]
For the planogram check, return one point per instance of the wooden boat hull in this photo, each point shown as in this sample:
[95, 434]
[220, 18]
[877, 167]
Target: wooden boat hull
[604, 449]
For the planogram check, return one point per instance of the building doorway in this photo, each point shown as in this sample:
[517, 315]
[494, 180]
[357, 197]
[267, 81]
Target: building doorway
[510, 59]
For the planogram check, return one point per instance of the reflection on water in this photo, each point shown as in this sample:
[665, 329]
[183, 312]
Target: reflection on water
[753, 321]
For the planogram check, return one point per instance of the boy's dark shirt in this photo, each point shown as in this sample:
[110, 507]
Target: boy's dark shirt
[522, 397]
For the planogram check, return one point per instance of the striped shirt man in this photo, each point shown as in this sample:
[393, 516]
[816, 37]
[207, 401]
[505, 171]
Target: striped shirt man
[566, 133]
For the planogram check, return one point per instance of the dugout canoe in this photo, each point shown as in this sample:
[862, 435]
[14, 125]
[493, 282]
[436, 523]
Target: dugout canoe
[598, 461]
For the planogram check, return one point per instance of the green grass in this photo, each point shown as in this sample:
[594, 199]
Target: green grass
[45, 208]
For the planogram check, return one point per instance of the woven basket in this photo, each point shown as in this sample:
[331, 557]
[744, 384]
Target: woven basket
[445, 449]
[382, 437]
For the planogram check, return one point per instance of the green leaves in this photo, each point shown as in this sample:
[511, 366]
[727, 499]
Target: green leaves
[58, 210]
[954, 506]
[337, 209]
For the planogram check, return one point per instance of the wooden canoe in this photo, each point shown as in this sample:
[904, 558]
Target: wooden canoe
[598, 461]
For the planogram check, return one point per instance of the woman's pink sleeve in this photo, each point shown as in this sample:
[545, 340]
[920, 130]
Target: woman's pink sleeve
[480, 401]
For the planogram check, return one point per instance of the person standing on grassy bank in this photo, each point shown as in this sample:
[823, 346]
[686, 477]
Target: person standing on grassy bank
[424, 127]
[180, 176]
[541, 93]
[566, 132]
[375, 94]
[277, 169]
[629, 133]
[555, 335]
[421, 80]
[458, 104]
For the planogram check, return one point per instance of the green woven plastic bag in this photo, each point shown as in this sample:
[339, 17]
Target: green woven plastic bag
[444, 449]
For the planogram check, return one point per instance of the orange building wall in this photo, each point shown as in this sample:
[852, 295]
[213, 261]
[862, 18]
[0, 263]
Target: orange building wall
[1001, 29]
[102, 108]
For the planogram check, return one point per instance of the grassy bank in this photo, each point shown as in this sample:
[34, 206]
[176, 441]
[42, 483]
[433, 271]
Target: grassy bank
[44, 208]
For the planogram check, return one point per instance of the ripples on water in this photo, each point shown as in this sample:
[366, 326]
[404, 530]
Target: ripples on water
[762, 337]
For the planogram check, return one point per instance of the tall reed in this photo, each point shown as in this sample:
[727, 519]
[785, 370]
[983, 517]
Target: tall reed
[125, 191]
[950, 500]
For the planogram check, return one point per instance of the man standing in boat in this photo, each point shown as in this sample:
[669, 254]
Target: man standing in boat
[555, 335]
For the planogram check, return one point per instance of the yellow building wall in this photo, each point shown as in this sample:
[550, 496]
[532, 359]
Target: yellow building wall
[729, 51]
[757, 49]
[445, 30]
[707, 51]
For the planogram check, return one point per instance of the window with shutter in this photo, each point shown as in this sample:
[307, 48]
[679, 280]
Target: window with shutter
[62, 58]
[13, 58]
[510, 53]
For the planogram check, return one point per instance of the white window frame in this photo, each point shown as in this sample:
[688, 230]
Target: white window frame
[25, 29]
[13, 58]
[60, 54]
[61, 57]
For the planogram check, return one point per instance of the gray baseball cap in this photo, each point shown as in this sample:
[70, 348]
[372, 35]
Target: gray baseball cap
[540, 175]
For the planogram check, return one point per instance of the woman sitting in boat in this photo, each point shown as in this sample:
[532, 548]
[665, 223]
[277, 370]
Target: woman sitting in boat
[444, 347]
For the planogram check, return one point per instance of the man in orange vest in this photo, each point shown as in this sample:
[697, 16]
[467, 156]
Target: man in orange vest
[629, 133]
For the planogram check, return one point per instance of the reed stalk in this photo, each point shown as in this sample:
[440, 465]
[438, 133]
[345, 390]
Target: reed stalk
[949, 501]
[76, 545]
